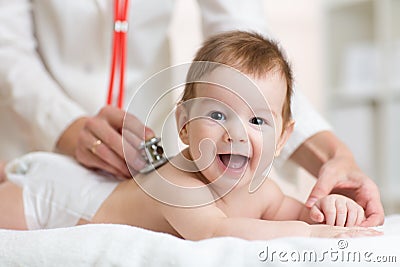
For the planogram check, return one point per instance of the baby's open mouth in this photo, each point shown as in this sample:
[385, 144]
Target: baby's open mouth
[233, 161]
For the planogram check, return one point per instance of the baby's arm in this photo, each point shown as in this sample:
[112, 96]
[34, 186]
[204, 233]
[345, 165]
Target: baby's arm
[337, 210]
[196, 223]
[209, 221]
[333, 209]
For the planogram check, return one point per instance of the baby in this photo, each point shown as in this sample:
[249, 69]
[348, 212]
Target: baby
[234, 117]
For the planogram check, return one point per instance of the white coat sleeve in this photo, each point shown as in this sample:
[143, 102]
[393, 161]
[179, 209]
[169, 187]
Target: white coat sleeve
[307, 123]
[25, 85]
[224, 15]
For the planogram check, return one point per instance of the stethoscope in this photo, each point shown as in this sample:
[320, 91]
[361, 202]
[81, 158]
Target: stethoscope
[119, 50]
[151, 151]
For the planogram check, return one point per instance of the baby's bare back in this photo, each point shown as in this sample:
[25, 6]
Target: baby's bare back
[129, 204]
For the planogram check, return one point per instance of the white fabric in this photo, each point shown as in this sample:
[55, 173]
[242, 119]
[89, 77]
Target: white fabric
[120, 245]
[55, 55]
[57, 191]
[307, 123]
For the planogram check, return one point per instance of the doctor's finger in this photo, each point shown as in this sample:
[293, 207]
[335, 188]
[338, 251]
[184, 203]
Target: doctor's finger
[119, 119]
[89, 160]
[322, 188]
[133, 156]
[109, 157]
[131, 139]
[373, 207]
[128, 147]
[94, 148]
[114, 116]
[102, 130]
[135, 126]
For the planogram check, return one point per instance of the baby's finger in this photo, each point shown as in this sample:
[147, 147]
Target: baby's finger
[329, 209]
[352, 215]
[360, 215]
[341, 212]
[316, 214]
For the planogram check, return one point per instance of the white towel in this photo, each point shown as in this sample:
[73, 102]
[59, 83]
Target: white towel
[121, 245]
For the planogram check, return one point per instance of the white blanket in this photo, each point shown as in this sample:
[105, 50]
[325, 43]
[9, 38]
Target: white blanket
[119, 245]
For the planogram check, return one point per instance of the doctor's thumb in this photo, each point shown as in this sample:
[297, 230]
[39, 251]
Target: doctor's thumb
[321, 189]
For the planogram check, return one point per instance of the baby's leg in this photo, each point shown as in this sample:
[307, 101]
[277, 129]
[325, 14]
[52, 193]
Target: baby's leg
[11, 207]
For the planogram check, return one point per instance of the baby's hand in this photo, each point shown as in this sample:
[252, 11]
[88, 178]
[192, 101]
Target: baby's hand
[337, 210]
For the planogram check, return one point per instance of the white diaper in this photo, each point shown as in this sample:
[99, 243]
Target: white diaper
[57, 191]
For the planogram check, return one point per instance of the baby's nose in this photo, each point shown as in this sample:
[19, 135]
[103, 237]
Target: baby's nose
[236, 133]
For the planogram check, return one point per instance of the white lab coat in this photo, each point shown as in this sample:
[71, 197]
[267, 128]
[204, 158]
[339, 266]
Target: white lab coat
[55, 62]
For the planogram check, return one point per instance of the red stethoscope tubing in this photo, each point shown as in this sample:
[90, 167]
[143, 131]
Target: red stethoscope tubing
[119, 50]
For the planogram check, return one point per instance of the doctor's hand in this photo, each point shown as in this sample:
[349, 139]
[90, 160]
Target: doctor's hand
[329, 159]
[342, 176]
[96, 142]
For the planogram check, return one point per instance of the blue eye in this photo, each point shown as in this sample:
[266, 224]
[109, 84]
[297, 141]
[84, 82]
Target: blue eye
[257, 121]
[216, 115]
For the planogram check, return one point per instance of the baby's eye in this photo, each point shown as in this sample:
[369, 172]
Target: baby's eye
[257, 121]
[216, 115]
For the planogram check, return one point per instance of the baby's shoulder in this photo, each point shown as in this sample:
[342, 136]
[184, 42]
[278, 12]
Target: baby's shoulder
[269, 193]
[178, 176]
[176, 187]
[269, 187]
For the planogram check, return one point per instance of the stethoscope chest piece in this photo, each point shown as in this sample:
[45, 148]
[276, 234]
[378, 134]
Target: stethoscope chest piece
[153, 154]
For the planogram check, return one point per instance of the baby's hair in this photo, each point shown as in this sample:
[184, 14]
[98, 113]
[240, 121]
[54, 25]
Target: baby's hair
[248, 52]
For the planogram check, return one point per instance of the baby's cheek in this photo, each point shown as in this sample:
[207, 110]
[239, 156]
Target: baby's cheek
[268, 146]
[203, 151]
[196, 147]
[263, 155]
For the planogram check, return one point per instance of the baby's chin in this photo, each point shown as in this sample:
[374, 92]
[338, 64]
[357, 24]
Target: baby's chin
[225, 182]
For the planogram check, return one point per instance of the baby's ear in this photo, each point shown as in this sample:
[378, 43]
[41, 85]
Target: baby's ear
[287, 131]
[182, 116]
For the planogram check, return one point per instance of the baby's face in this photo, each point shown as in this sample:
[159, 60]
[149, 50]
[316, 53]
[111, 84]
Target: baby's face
[235, 132]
